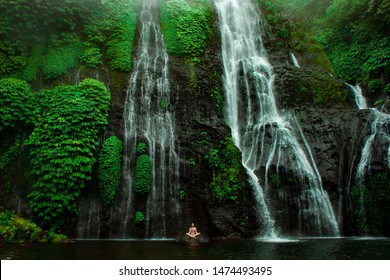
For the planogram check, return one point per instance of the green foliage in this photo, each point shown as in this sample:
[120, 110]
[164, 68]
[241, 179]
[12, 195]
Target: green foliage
[214, 159]
[386, 89]
[182, 194]
[353, 33]
[16, 229]
[110, 158]
[203, 140]
[27, 26]
[33, 64]
[60, 59]
[286, 22]
[142, 148]
[164, 104]
[15, 108]
[372, 204]
[227, 183]
[374, 85]
[326, 90]
[143, 175]
[217, 95]
[11, 154]
[356, 38]
[186, 26]
[62, 148]
[64, 35]
[318, 88]
[92, 57]
[379, 102]
[139, 218]
[110, 31]
[192, 161]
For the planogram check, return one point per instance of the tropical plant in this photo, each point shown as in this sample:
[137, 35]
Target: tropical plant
[14, 228]
[227, 183]
[15, 106]
[142, 148]
[110, 158]
[62, 148]
[143, 175]
[139, 217]
[186, 26]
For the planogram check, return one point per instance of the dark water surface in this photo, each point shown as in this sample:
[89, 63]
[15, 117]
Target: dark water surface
[299, 249]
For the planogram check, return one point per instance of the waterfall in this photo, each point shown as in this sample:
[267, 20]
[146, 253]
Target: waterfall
[266, 138]
[358, 97]
[294, 60]
[379, 126]
[148, 118]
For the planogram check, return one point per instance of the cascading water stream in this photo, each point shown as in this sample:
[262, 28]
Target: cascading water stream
[148, 119]
[265, 138]
[295, 60]
[379, 126]
[358, 97]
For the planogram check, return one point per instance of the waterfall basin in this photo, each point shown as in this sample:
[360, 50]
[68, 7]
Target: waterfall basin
[351, 248]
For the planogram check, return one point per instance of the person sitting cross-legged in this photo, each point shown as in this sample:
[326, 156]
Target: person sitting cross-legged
[192, 231]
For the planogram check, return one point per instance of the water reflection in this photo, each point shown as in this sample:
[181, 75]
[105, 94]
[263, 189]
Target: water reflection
[285, 249]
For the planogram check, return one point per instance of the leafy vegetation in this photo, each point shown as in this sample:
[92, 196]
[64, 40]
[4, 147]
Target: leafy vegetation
[374, 86]
[182, 194]
[142, 148]
[143, 175]
[110, 158]
[16, 229]
[11, 154]
[62, 56]
[203, 140]
[139, 218]
[143, 170]
[15, 108]
[66, 35]
[285, 24]
[357, 37]
[62, 148]
[353, 33]
[122, 30]
[186, 26]
[227, 183]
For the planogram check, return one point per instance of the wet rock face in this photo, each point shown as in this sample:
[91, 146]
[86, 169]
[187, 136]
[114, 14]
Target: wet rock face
[336, 137]
[335, 131]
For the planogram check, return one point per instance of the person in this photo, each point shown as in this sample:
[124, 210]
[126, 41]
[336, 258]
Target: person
[192, 231]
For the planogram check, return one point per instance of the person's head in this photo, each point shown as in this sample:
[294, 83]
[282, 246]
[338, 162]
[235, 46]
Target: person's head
[192, 224]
